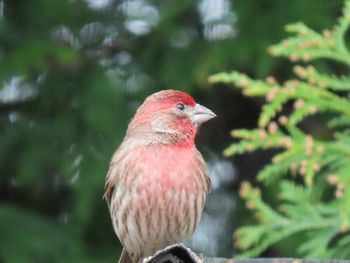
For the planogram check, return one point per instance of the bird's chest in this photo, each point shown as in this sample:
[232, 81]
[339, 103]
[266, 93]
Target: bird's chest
[159, 197]
[164, 170]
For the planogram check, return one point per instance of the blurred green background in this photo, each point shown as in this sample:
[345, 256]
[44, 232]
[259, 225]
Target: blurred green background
[72, 74]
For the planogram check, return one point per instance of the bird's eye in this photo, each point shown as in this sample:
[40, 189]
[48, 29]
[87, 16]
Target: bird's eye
[180, 106]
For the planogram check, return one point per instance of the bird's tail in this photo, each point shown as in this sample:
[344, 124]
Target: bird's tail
[125, 257]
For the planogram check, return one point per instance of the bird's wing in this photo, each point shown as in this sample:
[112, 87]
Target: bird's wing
[118, 169]
[204, 172]
[113, 175]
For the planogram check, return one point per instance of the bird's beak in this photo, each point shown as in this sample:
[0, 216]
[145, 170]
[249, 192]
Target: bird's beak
[201, 114]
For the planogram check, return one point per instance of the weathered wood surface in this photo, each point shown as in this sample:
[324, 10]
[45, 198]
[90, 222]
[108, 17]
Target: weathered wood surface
[179, 253]
[271, 260]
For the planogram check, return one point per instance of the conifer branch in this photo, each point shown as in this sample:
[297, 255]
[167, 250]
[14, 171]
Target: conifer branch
[323, 165]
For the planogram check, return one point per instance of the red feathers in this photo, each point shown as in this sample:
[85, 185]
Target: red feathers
[158, 119]
[170, 98]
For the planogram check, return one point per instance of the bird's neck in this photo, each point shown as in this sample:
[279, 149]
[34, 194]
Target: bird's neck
[181, 134]
[161, 138]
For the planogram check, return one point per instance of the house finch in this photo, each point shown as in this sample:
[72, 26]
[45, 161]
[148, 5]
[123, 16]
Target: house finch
[157, 181]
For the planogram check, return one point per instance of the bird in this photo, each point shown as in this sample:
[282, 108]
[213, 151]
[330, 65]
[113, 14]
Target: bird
[157, 181]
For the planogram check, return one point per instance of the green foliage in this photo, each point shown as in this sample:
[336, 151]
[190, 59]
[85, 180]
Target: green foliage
[299, 213]
[317, 212]
[56, 143]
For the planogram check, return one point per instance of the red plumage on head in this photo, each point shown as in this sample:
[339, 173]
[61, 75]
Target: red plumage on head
[169, 97]
[157, 114]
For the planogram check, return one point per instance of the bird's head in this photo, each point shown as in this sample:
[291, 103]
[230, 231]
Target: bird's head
[170, 117]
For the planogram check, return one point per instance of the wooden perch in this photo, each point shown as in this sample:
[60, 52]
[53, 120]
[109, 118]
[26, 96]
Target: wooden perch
[271, 260]
[179, 253]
